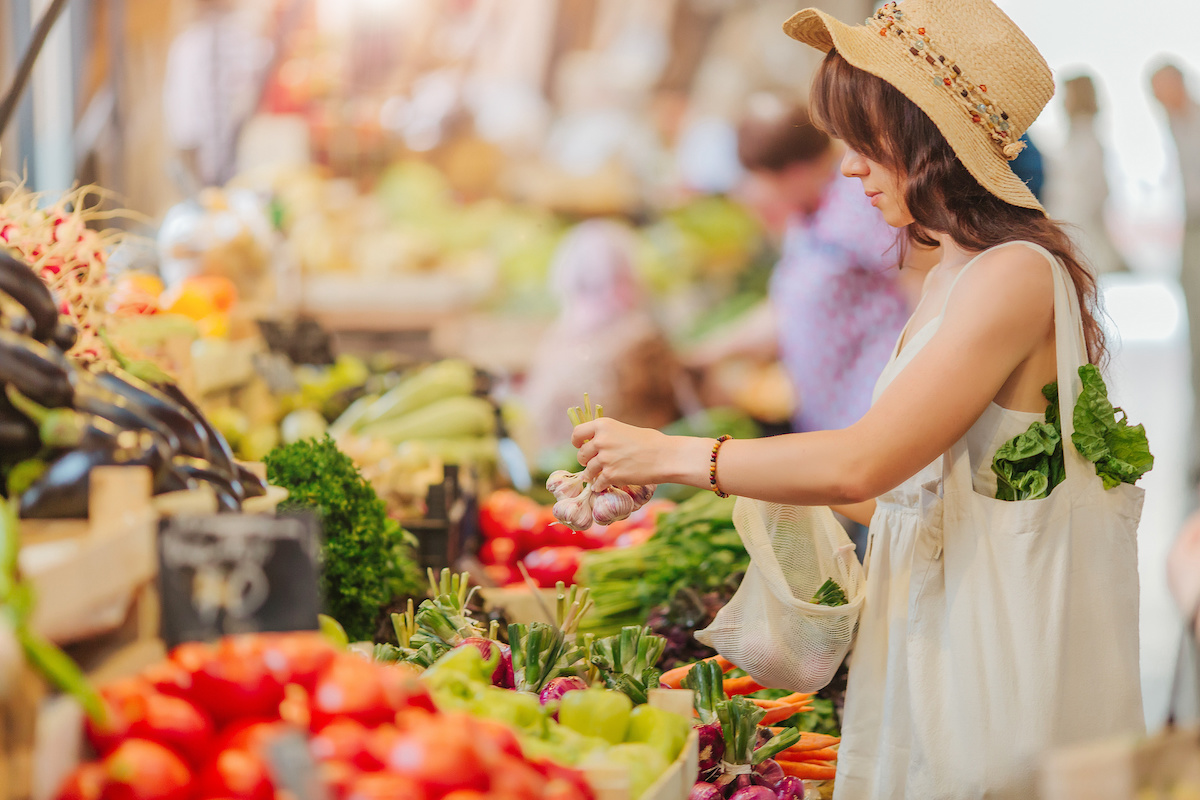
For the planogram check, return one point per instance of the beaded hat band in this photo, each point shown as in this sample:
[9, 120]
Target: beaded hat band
[964, 63]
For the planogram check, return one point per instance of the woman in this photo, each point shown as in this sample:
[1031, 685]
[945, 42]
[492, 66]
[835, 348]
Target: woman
[992, 631]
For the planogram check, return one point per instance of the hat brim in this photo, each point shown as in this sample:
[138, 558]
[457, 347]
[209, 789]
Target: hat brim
[863, 48]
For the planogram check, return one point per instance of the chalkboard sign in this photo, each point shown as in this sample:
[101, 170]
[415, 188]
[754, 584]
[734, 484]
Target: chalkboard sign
[237, 573]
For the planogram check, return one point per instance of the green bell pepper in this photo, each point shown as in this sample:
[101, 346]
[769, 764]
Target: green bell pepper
[662, 730]
[596, 712]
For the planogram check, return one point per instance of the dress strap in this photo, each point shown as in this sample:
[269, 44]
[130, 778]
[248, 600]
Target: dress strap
[971, 263]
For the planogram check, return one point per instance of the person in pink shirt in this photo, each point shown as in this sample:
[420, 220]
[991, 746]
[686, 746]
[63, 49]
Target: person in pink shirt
[837, 300]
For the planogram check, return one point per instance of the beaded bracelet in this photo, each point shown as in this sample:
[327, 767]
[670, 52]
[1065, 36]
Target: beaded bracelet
[712, 466]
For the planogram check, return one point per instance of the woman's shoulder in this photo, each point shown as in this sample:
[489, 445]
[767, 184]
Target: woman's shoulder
[1013, 281]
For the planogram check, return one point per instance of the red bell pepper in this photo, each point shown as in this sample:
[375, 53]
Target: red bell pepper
[548, 565]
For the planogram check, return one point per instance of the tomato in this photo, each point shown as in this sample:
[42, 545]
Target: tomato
[494, 735]
[350, 687]
[438, 755]
[501, 550]
[337, 777]
[168, 677]
[254, 735]
[564, 783]
[297, 657]
[403, 687]
[144, 770]
[515, 777]
[548, 565]
[385, 786]
[344, 740]
[466, 794]
[176, 723]
[232, 682]
[86, 782]
[500, 513]
[237, 775]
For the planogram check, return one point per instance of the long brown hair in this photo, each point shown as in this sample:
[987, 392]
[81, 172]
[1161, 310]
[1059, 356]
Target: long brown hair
[876, 120]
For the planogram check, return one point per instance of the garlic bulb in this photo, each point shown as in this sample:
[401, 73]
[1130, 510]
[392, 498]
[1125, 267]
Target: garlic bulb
[612, 505]
[563, 484]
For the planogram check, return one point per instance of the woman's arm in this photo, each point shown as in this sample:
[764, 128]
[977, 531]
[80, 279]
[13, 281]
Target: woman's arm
[858, 512]
[1001, 313]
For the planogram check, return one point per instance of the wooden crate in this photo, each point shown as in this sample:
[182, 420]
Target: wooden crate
[520, 604]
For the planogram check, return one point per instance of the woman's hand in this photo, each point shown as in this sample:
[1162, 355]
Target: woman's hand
[616, 454]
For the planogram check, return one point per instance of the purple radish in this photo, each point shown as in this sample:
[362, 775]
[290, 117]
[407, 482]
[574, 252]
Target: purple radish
[768, 773]
[712, 746]
[555, 688]
[790, 788]
[503, 676]
[705, 791]
[754, 793]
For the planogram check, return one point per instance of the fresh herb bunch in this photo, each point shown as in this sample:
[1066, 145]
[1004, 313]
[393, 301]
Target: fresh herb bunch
[367, 559]
[1031, 464]
[830, 594]
[695, 546]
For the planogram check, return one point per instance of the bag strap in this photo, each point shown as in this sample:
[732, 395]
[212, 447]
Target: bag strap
[1071, 354]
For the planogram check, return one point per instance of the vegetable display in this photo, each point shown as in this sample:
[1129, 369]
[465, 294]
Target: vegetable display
[366, 557]
[694, 547]
[578, 506]
[225, 720]
[1031, 464]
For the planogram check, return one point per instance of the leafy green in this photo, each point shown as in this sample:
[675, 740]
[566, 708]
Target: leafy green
[1119, 450]
[830, 594]
[695, 546]
[367, 559]
[1030, 465]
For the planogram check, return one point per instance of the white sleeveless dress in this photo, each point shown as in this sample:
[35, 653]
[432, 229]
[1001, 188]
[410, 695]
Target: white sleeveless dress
[973, 619]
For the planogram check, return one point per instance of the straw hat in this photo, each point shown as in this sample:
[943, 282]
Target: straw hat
[964, 63]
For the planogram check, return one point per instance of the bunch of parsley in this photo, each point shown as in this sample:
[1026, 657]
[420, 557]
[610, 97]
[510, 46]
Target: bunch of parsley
[367, 559]
[1030, 465]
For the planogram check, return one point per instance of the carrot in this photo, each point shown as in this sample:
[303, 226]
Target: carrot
[808, 771]
[765, 705]
[673, 678]
[824, 754]
[780, 713]
[746, 685]
[798, 697]
[810, 741]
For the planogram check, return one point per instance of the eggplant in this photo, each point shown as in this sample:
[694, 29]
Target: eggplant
[229, 491]
[126, 416]
[22, 284]
[62, 491]
[221, 453]
[193, 439]
[35, 370]
[253, 485]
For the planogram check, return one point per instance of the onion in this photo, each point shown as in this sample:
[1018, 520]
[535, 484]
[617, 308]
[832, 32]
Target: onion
[503, 676]
[790, 788]
[768, 773]
[712, 746]
[705, 791]
[754, 793]
[732, 784]
[555, 688]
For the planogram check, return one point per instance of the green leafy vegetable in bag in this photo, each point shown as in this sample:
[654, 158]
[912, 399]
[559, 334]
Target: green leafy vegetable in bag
[830, 594]
[1030, 465]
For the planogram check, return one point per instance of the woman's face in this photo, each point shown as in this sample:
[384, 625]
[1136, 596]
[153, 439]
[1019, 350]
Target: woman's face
[882, 184]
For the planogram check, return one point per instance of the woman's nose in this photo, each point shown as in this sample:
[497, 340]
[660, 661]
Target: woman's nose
[853, 165]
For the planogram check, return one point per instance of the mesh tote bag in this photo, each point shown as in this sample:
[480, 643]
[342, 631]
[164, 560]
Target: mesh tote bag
[771, 628]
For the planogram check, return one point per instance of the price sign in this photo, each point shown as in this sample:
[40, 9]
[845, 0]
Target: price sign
[237, 573]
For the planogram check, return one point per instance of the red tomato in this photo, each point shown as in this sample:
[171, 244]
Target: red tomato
[385, 786]
[337, 777]
[176, 723]
[564, 783]
[254, 735]
[232, 682]
[143, 770]
[548, 565]
[466, 794]
[296, 708]
[515, 777]
[350, 687]
[491, 733]
[344, 740]
[403, 687]
[499, 550]
[500, 514]
[168, 677]
[297, 657]
[236, 775]
[438, 755]
[86, 782]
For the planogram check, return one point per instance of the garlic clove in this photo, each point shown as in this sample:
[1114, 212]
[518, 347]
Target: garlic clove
[575, 512]
[612, 505]
[563, 484]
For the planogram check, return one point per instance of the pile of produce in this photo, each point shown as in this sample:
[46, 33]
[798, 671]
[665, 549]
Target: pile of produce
[367, 559]
[251, 716]
[695, 547]
[576, 699]
[436, 405]
[743, 755]
[61, 419]
[518, 531]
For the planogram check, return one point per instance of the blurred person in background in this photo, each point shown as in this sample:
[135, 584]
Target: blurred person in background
[605, 340]
[1079, 189]
[837, 301]
[213, 80]
[1183, 119]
